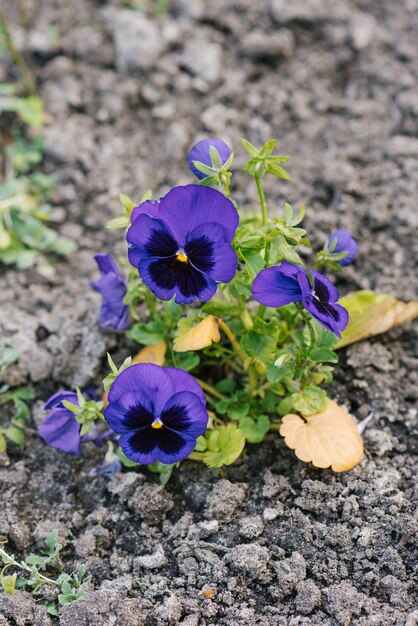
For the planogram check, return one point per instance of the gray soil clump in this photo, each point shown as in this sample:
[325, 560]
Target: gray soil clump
[273, 542]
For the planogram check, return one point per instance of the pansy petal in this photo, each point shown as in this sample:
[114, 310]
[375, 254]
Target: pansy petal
[210, 252]
[107, 264]
[150, 237]
[201, 152]
[152, 445]
[274, 287]
[169, 277]
[184, 381]
[132, 411]
[113, 312]
[61, 430]
[184, 208]
[344, 242]
[323, 287]
[185, 414]
[59, 396]
[150, 379]
[149, 207]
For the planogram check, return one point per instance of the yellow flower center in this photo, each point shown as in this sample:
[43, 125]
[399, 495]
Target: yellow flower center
[182, 257]
[156, 424]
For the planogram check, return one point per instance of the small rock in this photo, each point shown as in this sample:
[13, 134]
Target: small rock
[123, 485]
[289, 573]
[138, 40]
[258, 45]
[151, 502]
[45, 527]
[196, 50]
[169, 613]
[153, 561]
[251, 527]
[308, 597]
[250, 557]
[203, 529]
[344, 603]
[224, 499]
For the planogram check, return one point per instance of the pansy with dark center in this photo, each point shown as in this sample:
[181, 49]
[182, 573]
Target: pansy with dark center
[159, 413]
[181, 245]
[286, 283]
[112, 287]
[343, 241]
[201, 152]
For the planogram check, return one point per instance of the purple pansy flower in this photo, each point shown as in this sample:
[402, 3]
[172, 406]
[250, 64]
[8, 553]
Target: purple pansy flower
[344, 243]
[60, 428]
[181, 245]
[158, 411]
[286, 283]
[112, 287]
[201, 152]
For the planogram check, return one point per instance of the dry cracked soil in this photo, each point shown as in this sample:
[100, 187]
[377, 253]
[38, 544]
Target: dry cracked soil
[271, 542]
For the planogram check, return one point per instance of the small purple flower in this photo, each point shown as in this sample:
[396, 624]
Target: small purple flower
[60, 428]
[181, 245]
[112, 287]
[286, 283]
[344, 243]
[200, 152]
[158, 411]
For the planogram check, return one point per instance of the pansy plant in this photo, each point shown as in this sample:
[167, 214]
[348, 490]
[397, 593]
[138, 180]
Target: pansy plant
[238, 324]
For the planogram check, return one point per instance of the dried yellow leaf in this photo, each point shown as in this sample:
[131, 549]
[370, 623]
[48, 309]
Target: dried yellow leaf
[200, 336]
[152, 354]
[325, 439]
[373, 313]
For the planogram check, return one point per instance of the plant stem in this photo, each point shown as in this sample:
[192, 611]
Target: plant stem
[275, 426]
[308, 323]
[264, 216]
[246, 320]
[17, 56]
[210, 389]
[234, 342]
[8, 560]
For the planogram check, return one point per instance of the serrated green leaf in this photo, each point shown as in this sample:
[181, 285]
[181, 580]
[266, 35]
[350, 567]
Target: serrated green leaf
[224, 446]
[324, 355]
[255, 429]
[148, 334]
[8, 583]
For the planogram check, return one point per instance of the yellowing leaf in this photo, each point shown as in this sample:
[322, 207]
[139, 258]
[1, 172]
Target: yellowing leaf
[152, 354]
[373, 313]
[328, 438]
[199, 336]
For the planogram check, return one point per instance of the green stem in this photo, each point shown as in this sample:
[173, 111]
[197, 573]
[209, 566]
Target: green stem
[8, 560]
[264, 216]
[17, 57]
[234, 342]
[308, 323]
[246, 320]
[210, 389]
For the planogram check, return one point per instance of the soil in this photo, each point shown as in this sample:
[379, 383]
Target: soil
[271, 541]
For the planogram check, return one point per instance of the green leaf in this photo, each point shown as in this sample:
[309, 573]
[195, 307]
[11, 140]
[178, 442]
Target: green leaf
[249, 147]
[52, 609]
[127, 204]
[278, 172]
[165, 470]
[259, 345]
[254, 262]
[224, 446]
[52, 540]
[321, 355]
[186, 360]
[2, 443]
[8, 583]
[310, 400]
[16, 435]
[148, 334]
[255, 429]
[121, 221]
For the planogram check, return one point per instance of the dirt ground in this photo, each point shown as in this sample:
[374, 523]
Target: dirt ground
[271, 542]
